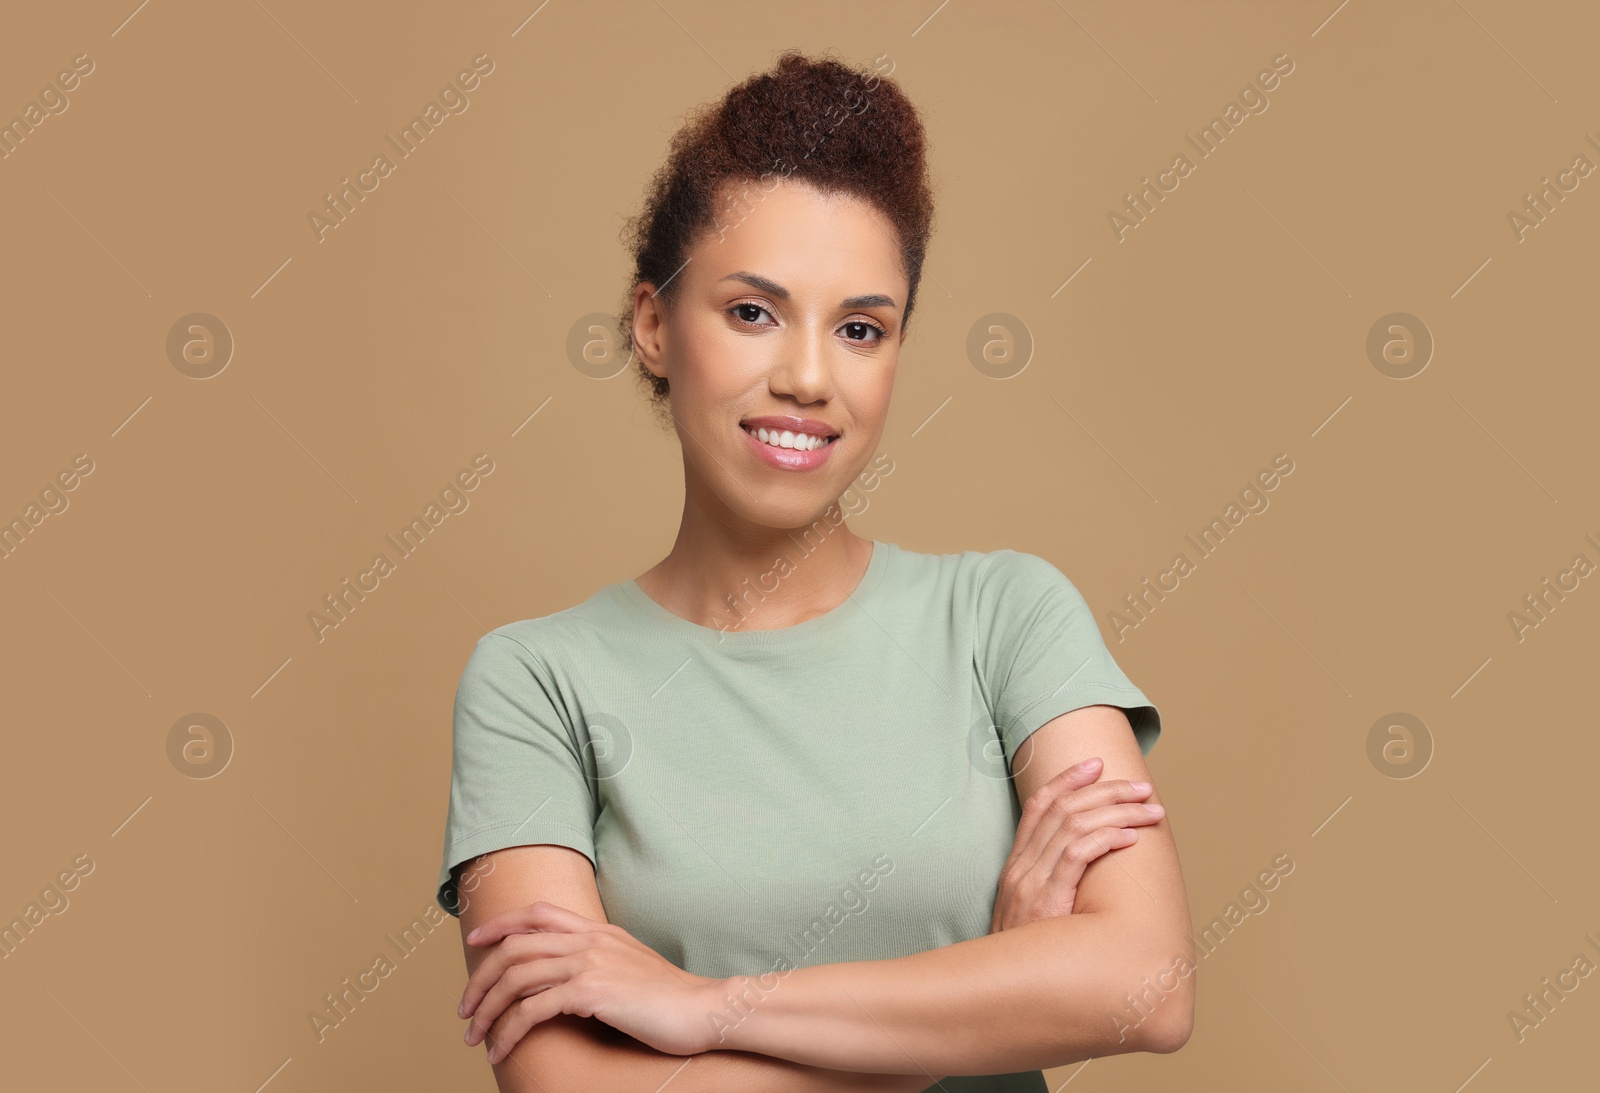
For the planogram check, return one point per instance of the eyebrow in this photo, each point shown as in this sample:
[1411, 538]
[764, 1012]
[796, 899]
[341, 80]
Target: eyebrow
[772, 288]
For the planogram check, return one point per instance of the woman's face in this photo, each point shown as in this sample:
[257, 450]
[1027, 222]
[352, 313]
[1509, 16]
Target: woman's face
[792, 309]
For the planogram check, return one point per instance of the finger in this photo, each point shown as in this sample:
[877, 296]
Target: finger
[514, 921]
[523, 980]
[1081, 852]
[517, 949]
[1050, 825]
[1070, 804]
[538, 915]
[1052, 886]
[1081, 841]
[523, 1016]
[481, 978]
[1121, 815]
[1070, 779]
[1074, 795]
[1111, 791]
[1053, 813]
[1091, 829]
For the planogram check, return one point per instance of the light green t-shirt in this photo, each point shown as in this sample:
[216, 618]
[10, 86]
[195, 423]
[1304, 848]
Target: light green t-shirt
[760, 800]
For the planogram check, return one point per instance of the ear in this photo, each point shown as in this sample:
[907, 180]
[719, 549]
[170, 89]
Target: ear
[649, 318]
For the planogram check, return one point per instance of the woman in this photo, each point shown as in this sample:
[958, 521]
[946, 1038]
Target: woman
[760, 806]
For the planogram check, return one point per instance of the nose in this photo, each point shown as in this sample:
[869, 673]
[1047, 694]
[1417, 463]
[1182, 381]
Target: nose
[803, 370]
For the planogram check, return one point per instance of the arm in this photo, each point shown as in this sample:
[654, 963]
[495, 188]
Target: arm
[568, 1052]
[1042, 994]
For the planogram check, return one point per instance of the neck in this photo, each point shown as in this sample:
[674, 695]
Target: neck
[758, 578]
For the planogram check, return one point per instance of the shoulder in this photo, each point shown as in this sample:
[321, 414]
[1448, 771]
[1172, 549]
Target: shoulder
[538, 642]
[1018, 594]
[965, 567]
[990, 580]
[1009, 574]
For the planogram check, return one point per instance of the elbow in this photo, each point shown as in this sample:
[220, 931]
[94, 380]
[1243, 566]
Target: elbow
[1172, 1022]
[1171, 1032]
[1158, 1014]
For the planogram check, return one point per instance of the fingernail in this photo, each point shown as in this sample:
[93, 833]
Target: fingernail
[473, 936]
[1087, 763]
[1138, 787]
[1155, 810]
[461, 1008]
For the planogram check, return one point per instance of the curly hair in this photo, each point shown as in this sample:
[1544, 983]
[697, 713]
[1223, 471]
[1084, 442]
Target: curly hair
[836, 127]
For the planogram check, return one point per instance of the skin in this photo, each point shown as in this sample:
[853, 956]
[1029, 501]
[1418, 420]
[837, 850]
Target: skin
[1050, 991]
[1069, 939]
[731, 350]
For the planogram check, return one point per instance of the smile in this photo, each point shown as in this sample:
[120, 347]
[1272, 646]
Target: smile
[784, 438]
[788, 450]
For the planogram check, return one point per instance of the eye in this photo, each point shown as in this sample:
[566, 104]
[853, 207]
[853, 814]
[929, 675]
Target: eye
[861, 327]
[746, 307]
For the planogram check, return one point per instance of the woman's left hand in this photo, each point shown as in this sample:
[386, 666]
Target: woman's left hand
[549, 960]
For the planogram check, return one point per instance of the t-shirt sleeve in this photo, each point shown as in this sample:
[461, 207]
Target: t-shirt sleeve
[1040, 654]
[519, 774]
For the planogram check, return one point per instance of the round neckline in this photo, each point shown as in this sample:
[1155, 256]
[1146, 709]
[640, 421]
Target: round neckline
[876, 563]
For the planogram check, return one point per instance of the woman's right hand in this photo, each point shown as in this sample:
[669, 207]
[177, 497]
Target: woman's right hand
[1068, 823]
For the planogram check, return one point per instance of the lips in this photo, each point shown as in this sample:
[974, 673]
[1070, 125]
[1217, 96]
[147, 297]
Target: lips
[780, 422]
[803, 455]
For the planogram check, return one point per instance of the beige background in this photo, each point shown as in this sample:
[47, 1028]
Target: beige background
[1168, 370]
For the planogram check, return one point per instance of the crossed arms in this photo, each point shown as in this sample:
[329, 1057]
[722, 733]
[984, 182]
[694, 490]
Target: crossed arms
[1042, 994]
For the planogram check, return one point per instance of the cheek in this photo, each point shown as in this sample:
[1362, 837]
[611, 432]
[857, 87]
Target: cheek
[716, 364]
[880, 386]
[866, 402]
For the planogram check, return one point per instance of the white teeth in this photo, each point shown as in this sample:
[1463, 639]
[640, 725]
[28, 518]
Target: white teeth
[804, 442]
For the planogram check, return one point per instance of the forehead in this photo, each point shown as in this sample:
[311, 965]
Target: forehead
[802, 238]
